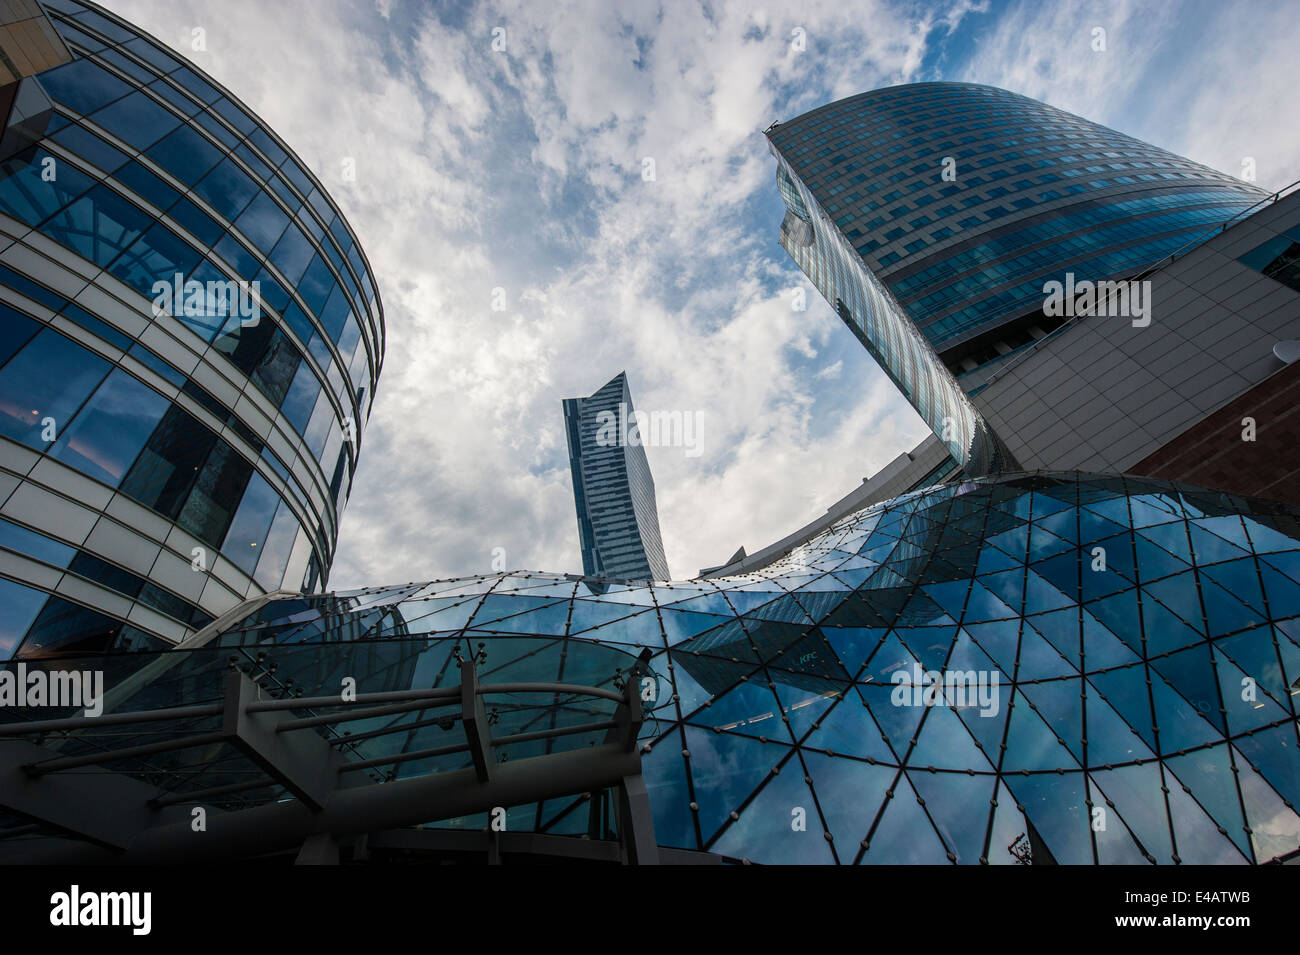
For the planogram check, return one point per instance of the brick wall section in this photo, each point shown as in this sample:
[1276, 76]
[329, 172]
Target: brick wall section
[1212, 453]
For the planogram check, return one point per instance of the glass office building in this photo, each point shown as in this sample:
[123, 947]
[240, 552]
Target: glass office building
[190, 338]
[963, 200]
[614, 492]
[1128, 650]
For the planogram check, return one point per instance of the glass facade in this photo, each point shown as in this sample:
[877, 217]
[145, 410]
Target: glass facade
[1128, 650]
[618, 522]
[885, 330]
[962, 200]
[190, 338]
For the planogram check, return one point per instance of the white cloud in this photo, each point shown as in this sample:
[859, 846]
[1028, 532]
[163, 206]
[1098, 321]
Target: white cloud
[523, 170]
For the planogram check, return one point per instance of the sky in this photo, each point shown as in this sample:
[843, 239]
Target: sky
[501, 150]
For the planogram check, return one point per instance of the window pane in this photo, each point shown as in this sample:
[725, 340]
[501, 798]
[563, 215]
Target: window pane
[292, 254]
[165, 470]
[65, 627]
[16, 330]
[219, 485]
[227, 189]
[110, 430]
[18, 607]
[252, 521]
[301, 399]
[137, 119]
[49, 378]
[185, 154]
[263, 221]
[277, 548]
[83, 85]
[26, 196]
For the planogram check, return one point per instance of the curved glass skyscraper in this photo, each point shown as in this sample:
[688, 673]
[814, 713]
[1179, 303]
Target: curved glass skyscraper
[190, 338]
[962, 200]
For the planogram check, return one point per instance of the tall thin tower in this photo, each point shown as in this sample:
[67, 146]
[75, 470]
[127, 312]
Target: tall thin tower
[618, 523]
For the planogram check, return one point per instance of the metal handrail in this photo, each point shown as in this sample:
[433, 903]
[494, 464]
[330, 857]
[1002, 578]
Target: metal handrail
[432, 696]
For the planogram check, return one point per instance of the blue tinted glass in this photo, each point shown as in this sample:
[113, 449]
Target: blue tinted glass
[156, 364]
[217, 490]
[301, 398]
[260, 169]
[249, 528]
[348, 338]
[98, 225]
[72, 35]
[16, 330]
[18, 608]
[90, 147]
[234, 252]
[142, 48]
[146, 185]
[315, 287]
[156, 256]
[300, 324]
[47, 380]
[83, 85]
[199, 223]
[300, 179]
[174, 96]
[272, 292]
[141, 74]
[111, 428]
[185, 154]
[263, 221]
[234, 115]
[26, 196]
[137, 119]
[334, 314]
[32, 290]
[196, 84]
[291, 254]
[263, 141]
[227, 189]
[276, 549]
[93, 324]
[215, 127]
[32, 544]
[165, 470]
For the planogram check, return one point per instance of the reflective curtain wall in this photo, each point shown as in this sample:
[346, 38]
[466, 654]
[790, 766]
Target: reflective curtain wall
[190, 339]
[1038, 668]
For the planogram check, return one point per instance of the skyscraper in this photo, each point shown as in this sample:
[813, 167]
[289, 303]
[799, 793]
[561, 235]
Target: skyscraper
[936, 217]
[618, 523]
[963, 199]
[190, 338]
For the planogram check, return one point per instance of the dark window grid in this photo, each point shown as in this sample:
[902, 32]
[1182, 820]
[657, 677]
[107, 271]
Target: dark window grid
[1069, 244]
[64, 425]
[1063, 221]
[244, 141]
[122, 251]
[1025, 295]
[964, 288]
